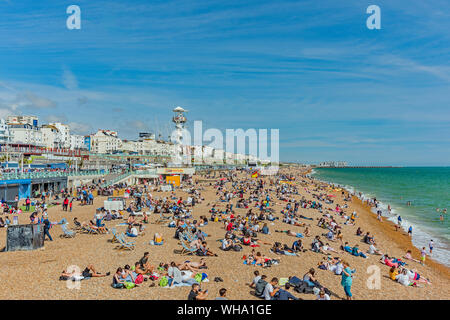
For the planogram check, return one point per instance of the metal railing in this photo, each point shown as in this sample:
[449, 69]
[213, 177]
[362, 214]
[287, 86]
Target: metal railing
[49, 174]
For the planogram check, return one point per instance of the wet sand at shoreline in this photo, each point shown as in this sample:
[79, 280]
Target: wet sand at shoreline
[34, 274]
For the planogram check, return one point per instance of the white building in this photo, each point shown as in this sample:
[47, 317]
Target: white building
[76, 142]
[31, 120]
[51, 137]
[25, 134]
[105, 141]
[64, 132]
[4, 132]
[130, 146]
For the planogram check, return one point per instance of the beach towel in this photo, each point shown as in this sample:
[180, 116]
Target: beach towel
[283, 281]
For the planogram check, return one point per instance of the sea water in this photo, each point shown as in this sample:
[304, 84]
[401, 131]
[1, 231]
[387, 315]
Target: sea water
[426, 188]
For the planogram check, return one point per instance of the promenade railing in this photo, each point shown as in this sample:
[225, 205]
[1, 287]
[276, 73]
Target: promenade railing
[49, 174]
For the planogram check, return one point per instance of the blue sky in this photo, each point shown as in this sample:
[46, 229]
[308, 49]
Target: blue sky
[335, 89]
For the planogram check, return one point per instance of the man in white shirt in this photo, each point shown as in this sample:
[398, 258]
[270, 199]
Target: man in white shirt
[322, 295]
[269, 291]
[134, 231]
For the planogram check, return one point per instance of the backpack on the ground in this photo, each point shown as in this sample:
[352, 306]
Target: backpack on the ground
[259, 288]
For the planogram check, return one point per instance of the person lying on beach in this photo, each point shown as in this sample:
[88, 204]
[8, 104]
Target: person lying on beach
[75, 275]
[346, 248]
[415, 276]
[326, 248]
[403, 279]
[91, 272]
[408, 256]
[193, 266]
[357, 253]
[88, 272]
[260, 259]
[390, 262]
[279, 249]
[291, 233]
[324, 264]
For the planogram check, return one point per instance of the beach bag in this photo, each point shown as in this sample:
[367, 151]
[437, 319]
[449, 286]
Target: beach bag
[139, 279]
[198, 277]
[295, 281]
[237, 247]
[163, 281]
[129, 285]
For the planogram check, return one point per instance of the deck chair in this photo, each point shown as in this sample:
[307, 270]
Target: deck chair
[162, 219]
[89, 230]
[114, 239]
[186, 250]
[123, 244]
[66, 232]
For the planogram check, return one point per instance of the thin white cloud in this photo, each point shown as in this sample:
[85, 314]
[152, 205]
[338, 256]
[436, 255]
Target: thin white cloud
[69, 80]
[80, 128]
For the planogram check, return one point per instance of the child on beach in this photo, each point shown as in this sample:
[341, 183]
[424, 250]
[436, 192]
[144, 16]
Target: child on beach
[423, 255]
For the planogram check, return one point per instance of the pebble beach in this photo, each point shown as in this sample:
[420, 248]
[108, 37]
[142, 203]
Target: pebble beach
[34, 274]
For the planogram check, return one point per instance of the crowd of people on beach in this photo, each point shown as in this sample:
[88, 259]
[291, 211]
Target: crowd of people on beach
[247, 210]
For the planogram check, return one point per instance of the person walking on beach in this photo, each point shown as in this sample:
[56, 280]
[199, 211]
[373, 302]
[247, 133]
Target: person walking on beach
[410, 231]
[47, 225]
[379, 215]
[346, 280]
[399, 221]
[431, 245]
